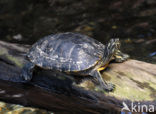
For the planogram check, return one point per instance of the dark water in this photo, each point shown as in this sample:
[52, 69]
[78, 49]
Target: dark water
[132, 21]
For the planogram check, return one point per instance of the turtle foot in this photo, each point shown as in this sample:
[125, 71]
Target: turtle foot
[110, 87]
[26, 76]
[27, 71]
[120, 57]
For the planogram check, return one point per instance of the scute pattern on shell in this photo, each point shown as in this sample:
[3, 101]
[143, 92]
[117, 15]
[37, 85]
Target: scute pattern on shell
[66, 52]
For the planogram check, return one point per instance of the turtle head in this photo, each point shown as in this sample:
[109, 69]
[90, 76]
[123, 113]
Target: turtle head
[111, 48]
[114, 42]
[117, 55]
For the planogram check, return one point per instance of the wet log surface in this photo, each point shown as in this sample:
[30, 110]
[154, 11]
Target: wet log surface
[132, 79]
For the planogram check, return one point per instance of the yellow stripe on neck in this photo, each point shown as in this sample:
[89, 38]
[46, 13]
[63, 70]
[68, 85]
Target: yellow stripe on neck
[103, 67]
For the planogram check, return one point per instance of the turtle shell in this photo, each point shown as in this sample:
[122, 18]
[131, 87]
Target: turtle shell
[66, 52]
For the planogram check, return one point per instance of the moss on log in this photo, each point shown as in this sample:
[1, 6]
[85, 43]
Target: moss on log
[135, 80]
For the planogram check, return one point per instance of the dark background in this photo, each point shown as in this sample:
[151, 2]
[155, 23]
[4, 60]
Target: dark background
[133, 21]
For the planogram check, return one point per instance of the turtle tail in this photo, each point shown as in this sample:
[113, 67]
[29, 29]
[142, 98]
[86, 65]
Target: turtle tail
[110, 49]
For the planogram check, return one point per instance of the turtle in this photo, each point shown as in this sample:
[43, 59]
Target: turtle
[74, 54]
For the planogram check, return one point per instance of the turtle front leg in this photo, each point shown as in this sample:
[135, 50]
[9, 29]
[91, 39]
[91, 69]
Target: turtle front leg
[103, 84]
[120, 57]
[27, 71]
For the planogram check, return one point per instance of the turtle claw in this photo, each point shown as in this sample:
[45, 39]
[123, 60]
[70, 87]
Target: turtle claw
[110, 87]
[26, 75]
[27, 71]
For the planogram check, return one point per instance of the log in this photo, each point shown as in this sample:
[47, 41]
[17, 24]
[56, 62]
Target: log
[135, 81]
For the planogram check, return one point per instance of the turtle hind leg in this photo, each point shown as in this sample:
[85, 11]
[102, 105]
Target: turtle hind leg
[120, 57]
[27, 71]
[103, 84]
